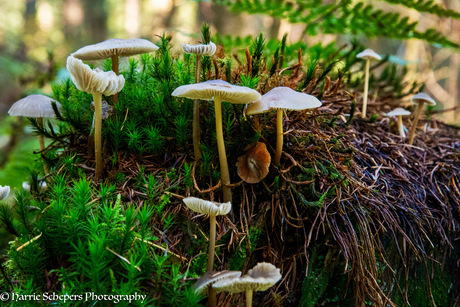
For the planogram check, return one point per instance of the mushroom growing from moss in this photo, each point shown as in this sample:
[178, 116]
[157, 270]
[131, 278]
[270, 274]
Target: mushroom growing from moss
[39, 107]
[213, 209]
[419, 99]
[97, 83]
[259, 278]
[219, 90]
[367, 54]
[198, 50]
[399, 113]
[253, 165]
[279, 99]
[114, 48]
[5, 191]
[209, 278]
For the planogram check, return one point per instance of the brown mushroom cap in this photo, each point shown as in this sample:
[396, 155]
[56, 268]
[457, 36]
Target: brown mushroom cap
[399, 112]
[34, 106]
[114, 46]
[207, 207]
[369, 54]
[4, 191]
[423, 97]
[260, 278]
[253, 165]
[283, 98]
[211, 277]
[208, 50]
[94, 81]
[209, 89]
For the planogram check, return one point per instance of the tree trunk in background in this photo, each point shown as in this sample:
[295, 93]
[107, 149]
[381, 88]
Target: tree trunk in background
[412, 54]
[30, 26]
[132, 18]
[95, 21]
[452, 87]
[71, 20]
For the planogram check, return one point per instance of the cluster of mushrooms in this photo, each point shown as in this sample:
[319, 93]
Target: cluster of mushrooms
[419, 99]
[252, 167]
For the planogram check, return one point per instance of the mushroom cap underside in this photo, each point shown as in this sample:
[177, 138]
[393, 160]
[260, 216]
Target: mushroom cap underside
[207, 207]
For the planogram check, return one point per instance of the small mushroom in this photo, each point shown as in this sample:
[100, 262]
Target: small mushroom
[5, 191]
[367, 54]
[259, 278]
[399, 113]
[419, 99]
[114, 48]
[97, 83]
[211, 277]
[198, 50]
[42, 185]
[213, 209]
[279, 99]
[219, 90]
[39, 107]
[253, 165]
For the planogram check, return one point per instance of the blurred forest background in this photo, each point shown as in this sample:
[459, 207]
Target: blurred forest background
[36, 36]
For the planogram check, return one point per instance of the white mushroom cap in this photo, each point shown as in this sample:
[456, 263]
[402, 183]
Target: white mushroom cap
[94, 81]
[368, 54]
[399, 112]
[283, 98]
[34, 106]
[208, 50]
[115, 46]
[423, 97]
[224, 90]
[211, 277]
[207, 207]
[260, 278]
[5, 191]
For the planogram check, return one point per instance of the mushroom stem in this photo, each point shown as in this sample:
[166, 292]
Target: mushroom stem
[257, 123]
[249, 298]
[115, 70]
[41, 141]
[414, 124]
[401, 127]
[279, 136]
[196, 113]
[366, 88]
[212, 242]
[212, 297]
[97, 97]
[224, 174]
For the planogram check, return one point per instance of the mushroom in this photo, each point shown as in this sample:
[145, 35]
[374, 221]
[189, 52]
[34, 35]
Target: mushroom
[39, 107]
[5, 191]
[213, 209]
[259, 278]
[199, 49]
[400, 112]
[253, 165]
[114, 48]
[42, 185]
[211, 277]
[219, 90]
[97, 83]
[419, 99]
[367, 54]
[279, 99]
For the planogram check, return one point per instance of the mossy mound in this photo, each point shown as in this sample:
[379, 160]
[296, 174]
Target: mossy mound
[350, 210]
